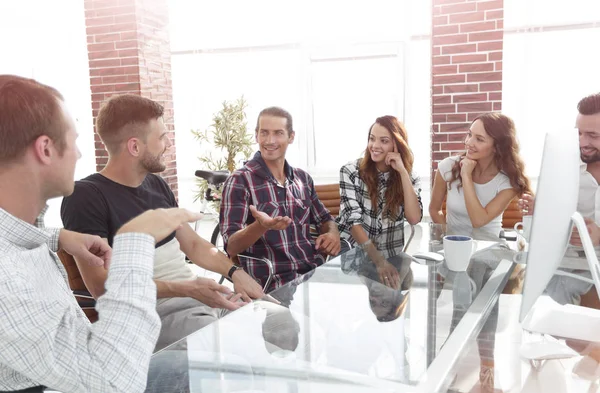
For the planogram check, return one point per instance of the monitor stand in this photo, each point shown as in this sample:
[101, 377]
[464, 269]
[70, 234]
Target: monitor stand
[588, 248]
[570, 321]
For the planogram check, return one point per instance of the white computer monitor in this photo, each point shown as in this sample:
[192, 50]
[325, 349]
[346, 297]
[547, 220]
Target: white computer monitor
[555, 212]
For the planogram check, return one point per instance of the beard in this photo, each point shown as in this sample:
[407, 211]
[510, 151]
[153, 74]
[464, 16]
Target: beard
[590, 158]
[153, 164]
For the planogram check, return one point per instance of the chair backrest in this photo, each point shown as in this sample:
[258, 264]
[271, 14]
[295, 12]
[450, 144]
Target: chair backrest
[510, 217]
[76, 281]
[329, 195]
[512, 214]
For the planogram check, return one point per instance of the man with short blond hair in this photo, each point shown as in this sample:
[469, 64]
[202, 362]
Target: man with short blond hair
[134, 132]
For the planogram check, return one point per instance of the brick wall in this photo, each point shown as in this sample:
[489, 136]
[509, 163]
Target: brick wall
[129, 52]
[467, 38]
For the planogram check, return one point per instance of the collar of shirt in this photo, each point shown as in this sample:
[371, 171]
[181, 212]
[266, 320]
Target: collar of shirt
[586, 178]
[258, 167]
[20, 233]
[39, 221]
[589, 194]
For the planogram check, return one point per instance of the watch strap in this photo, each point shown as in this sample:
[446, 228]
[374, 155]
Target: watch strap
[233, 269]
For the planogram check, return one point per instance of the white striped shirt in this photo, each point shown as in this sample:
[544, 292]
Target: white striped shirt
[46, 339]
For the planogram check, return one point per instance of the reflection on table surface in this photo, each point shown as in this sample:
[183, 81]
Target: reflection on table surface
[529, 362]
[341, 325]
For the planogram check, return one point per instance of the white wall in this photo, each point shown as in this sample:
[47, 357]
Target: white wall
[46, 40]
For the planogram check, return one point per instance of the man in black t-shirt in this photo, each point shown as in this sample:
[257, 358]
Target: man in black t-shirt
[136, 139]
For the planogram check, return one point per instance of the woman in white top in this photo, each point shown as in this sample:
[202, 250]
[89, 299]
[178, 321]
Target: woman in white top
[479, 184]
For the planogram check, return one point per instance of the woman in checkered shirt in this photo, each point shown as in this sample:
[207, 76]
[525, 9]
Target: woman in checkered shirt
[378, 192]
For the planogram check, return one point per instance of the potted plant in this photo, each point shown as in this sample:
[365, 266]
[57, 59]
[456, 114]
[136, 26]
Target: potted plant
[228, 133]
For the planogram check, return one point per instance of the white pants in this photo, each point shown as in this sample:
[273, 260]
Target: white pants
[181, 317]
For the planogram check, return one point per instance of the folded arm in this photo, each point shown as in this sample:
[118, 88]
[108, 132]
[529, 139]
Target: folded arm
[482, 215]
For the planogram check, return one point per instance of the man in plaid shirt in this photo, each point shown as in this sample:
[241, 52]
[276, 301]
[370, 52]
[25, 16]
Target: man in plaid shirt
[268, 207]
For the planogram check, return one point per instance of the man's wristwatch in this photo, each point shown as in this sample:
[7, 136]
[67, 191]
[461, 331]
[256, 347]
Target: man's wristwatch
[232, 270]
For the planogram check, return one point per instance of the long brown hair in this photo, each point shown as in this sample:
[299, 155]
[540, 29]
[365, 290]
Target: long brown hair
[394, 196]
[502, 130]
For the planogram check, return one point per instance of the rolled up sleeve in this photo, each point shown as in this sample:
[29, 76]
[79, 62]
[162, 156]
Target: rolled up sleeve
[351, 212]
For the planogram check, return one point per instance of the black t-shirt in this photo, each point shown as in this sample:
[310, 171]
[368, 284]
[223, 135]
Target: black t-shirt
[99, 206]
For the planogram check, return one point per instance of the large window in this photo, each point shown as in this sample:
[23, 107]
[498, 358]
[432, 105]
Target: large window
[347, 94]
[550, 63]
[335, 67]
[46, 41]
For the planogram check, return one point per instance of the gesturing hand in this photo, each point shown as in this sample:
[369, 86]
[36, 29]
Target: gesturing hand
[277, 224]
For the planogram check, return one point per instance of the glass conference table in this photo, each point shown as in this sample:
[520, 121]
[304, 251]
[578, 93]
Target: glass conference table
[338, 328]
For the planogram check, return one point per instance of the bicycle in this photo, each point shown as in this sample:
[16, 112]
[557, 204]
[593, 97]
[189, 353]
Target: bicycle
[215, 180]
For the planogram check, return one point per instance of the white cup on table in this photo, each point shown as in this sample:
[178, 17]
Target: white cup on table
[457, 251]
[523, 227]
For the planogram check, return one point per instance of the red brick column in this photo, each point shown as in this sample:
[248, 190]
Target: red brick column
[129, 52]
[467, 38]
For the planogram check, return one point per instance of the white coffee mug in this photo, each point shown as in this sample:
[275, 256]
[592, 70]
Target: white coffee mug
[523, 228]
[457, 251]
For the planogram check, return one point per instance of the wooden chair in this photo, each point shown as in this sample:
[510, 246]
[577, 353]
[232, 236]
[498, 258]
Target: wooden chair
[512, 214]
[329, 195]
[81, 293]
[590, 299]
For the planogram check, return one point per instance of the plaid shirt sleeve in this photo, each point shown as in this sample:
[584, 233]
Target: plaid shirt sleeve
[351, 212]
[43, 339]
[235, 206]
[416, 183]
